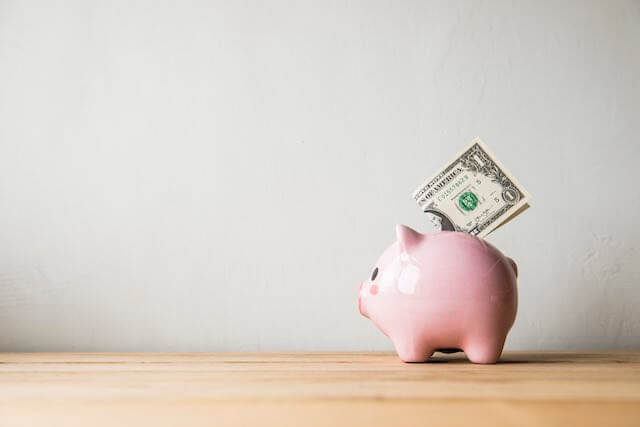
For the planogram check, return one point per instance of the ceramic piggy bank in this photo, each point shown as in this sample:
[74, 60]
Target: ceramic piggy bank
[445, 291]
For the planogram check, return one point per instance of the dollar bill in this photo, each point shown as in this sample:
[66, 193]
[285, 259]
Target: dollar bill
[474, 193]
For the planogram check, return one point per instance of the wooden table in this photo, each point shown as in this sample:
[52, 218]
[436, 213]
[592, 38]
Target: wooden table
[298, 389]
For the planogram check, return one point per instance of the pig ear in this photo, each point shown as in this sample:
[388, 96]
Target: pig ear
[407, 237]
[513, 265]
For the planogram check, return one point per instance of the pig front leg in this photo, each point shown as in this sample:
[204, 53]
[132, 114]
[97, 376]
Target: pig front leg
[411, 348]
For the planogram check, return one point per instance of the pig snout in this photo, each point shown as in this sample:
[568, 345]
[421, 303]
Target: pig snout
[361, 309]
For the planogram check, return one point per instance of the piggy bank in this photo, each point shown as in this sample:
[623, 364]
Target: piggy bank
[444, 291]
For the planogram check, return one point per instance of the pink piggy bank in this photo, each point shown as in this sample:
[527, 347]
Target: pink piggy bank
[444, 291]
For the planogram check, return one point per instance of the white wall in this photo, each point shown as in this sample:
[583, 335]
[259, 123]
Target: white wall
[220, 175]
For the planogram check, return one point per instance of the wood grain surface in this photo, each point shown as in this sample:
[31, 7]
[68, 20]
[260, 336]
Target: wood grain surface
[297, 389]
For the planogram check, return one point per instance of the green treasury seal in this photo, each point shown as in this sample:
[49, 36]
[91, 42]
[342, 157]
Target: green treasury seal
[468, 201]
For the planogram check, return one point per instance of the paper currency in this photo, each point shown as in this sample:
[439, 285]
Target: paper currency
[474, 193]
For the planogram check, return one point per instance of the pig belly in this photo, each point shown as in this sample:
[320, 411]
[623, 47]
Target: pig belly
[479, 328]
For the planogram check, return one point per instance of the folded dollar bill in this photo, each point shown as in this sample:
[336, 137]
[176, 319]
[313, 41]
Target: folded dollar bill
[474, 193]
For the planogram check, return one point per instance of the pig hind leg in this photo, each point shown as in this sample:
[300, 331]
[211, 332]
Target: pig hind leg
[484, 349]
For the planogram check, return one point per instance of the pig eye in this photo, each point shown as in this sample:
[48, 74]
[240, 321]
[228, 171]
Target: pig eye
[374, 274]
